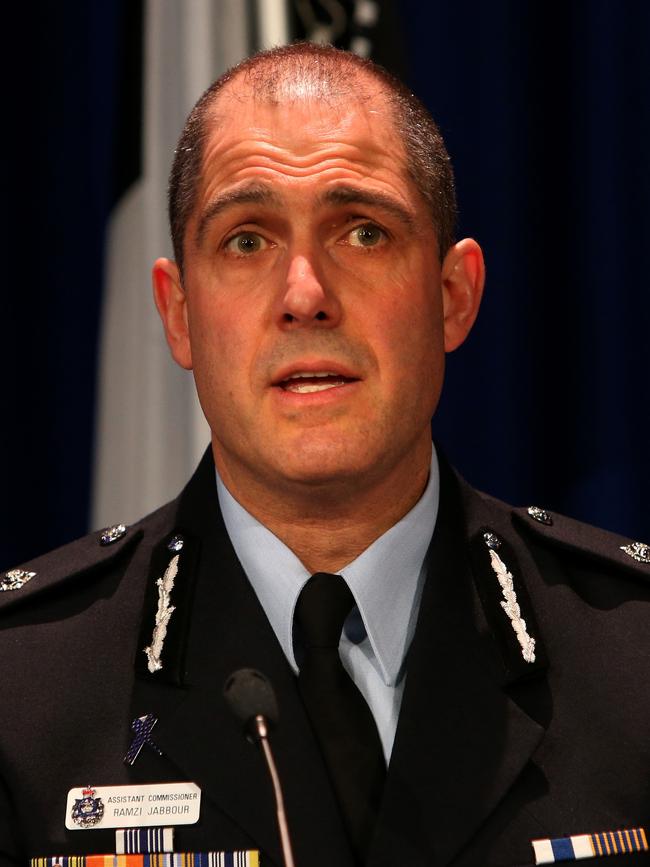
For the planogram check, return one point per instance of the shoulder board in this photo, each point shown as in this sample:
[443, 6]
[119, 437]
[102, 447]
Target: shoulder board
[571, 535]
[88, 554]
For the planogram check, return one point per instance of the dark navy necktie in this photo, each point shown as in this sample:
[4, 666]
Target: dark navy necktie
[340, 717]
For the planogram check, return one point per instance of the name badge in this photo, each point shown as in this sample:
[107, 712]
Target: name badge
[132, 806]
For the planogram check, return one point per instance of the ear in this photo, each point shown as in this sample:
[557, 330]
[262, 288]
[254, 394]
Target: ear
[463, 277]
[171, 302]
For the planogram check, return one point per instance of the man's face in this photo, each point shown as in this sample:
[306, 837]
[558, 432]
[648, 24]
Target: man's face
[312, 306]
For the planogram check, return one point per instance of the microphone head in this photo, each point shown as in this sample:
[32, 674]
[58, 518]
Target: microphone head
[249, 694]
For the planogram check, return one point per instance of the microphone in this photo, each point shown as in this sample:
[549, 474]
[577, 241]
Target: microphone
[251, 698]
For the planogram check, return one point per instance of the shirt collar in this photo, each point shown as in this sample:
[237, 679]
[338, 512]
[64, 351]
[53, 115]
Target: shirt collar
[386, 579]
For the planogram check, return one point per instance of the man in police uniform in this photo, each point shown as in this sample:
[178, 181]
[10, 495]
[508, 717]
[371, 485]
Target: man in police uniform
[502, 653]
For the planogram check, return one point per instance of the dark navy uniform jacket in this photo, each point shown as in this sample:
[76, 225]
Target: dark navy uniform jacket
[491, 751]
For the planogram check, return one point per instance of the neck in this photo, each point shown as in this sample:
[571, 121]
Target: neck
[330, 524]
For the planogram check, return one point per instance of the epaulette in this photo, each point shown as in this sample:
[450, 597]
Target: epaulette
[592, 542]
[91, 553]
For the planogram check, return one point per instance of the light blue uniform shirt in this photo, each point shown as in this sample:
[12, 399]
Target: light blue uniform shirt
[386, 581]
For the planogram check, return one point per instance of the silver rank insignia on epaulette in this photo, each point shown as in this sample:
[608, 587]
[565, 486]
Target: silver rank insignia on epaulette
[638, 551]
[540, 515]
[510, 605]
[112, 534]
[15, 579]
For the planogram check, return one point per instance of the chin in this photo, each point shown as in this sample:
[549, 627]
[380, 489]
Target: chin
[323, 463]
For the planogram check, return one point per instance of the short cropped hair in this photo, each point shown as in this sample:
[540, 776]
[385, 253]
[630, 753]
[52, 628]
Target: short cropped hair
[327, 73]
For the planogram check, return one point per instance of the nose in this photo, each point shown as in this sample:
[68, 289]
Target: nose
[305, 300]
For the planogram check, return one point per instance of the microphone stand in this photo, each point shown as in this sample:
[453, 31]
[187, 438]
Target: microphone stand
[261, 730]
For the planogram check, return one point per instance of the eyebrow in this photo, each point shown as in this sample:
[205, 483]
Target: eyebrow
[345, 195]
[258, 194]
[261, 194]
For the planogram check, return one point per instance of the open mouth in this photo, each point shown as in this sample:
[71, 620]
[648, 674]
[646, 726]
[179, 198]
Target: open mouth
[309, 382]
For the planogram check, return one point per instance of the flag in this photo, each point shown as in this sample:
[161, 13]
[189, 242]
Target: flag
[150, 431]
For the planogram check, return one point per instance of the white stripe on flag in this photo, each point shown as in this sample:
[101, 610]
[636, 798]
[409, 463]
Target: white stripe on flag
[272, 22]
[150, 428]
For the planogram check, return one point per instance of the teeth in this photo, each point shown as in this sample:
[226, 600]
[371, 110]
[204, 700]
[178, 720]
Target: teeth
[309, 375]
[308, 389]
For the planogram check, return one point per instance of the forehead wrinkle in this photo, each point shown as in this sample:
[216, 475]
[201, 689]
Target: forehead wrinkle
[253, 193]
[349, 195]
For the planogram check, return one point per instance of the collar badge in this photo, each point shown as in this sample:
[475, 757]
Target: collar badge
[176, 543]
[493, 542]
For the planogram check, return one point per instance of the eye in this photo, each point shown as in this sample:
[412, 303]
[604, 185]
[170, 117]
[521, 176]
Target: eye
[367, 235]
[245, 243]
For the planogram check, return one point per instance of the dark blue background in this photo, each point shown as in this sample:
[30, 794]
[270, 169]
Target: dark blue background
[546, 111]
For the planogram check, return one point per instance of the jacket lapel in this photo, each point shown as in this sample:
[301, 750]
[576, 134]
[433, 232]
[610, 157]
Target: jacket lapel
[223, 629]
[461, 741]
